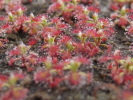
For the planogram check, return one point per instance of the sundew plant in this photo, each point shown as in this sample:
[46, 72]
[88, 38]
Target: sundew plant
[69, 46]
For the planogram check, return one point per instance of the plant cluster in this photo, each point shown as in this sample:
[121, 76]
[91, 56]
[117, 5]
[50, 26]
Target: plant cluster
[55, 46]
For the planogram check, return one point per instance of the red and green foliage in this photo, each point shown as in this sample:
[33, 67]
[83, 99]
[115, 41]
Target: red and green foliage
[53, 48]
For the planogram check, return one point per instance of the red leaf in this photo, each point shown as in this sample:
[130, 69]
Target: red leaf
[13, 52]
[32, 41]
[94, 9]
[3, 77]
